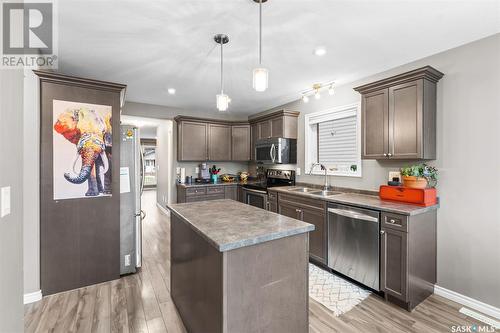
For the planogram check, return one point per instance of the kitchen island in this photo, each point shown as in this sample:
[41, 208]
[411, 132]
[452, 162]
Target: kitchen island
[237, 268]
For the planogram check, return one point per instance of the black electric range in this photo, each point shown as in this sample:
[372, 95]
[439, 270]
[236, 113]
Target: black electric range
[255, 194]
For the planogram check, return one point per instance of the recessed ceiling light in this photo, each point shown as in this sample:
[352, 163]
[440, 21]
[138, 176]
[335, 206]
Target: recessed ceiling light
[171, 91]
[319, 51]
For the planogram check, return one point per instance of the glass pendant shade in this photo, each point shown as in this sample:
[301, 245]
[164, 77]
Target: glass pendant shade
[222, 102]
[260, 79]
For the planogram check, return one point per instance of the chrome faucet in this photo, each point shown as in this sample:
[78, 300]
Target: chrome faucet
[326, 186]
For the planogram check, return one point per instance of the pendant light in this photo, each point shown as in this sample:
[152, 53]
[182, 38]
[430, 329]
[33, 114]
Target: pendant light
[222, 99]
[260, 74]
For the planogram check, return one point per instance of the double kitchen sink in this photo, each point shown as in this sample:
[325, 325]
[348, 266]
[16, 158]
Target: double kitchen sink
[315, 191]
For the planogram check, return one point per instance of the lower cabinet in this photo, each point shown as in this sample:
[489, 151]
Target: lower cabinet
[408, 257]
[309, 211]
[272, 202]
[205, 193]
[393, 263]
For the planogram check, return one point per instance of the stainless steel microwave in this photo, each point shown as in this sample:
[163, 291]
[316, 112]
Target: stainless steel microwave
[276, 151]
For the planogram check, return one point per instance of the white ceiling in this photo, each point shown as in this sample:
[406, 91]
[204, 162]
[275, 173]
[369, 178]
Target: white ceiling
[154, 45]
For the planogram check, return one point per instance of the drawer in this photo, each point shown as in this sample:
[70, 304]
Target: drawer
[196, 198]
[395, 221]
[215, 190]
[302, 201]
[195, 191]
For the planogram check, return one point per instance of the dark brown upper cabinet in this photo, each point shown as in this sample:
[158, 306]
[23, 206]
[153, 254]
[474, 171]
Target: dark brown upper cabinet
[240, 139]
[209, 140]
[399, 116]
[219, 142]
[278, 124]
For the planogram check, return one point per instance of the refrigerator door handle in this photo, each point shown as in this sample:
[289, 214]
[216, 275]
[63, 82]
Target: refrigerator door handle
[143, 166]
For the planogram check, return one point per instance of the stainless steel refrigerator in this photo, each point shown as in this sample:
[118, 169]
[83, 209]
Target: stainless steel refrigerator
[131, 187]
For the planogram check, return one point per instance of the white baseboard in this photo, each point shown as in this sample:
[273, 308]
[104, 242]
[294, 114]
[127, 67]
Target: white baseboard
[472, 303]
[32, 297]
[163, 210]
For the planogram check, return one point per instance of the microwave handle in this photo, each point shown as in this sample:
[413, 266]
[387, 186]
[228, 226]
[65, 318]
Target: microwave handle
[272, 153]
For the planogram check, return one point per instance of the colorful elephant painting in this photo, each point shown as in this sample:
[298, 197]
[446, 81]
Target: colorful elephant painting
[91, 135]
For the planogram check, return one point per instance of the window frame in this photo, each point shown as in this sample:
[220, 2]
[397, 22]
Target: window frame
[311, 137]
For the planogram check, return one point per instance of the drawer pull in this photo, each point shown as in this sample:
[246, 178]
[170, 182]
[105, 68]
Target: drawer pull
[392, 221]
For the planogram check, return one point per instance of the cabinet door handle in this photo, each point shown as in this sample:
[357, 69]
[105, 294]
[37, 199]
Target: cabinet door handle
[392, 221]
[382, 232]
[385, 155]
[389, 154]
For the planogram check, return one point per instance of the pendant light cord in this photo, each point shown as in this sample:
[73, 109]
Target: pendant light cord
[222, 66]
[260, 32]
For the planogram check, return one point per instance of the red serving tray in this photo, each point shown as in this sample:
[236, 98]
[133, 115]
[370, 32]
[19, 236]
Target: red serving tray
[422, 197]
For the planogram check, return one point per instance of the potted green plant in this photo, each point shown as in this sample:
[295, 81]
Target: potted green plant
[419, 176]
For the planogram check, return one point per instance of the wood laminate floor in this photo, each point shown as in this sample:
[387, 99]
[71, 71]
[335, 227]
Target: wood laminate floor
[142, 302]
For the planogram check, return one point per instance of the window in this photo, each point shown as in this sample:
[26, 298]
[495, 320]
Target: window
[333, 138]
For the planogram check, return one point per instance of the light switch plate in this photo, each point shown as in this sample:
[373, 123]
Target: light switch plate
[297, 172]
[5, 201]
[127, 260]
[197, 170]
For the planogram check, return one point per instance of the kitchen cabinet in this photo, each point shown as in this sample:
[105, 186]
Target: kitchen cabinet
[200, 193]
[201, 139]
[265, 129]
[399, 116]
[407, 257]
[231, 192]
[240, 142]
[219, 142]
[310, 211]
[278, 124]
[192, 142]
[272, 202]
[255, 133]
[393, 252]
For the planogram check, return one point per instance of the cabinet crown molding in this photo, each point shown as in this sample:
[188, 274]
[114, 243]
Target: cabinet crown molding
[260, 117]
[179, 119]
[426, 72]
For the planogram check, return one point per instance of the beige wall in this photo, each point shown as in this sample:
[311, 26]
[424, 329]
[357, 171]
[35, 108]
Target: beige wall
[11, 226]
[468, 143]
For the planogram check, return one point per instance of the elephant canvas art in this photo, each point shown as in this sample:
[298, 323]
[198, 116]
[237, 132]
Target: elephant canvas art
[82, 149]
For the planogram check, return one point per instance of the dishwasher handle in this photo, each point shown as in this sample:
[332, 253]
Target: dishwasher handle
[353, 215]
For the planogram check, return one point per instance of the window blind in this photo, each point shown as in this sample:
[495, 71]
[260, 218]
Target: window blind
[337, 142]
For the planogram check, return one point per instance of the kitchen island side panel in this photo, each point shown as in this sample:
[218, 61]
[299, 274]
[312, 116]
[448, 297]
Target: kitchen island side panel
[267, 287]
[196, 279]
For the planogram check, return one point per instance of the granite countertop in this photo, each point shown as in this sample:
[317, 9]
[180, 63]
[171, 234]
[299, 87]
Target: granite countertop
[363, 200]
[229, 224]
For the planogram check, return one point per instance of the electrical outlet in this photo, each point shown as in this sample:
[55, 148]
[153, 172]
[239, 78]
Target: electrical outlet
[178, 170]
[394, 174]
[197, 170]
[127, 260]
[5, 201]
[297, 171]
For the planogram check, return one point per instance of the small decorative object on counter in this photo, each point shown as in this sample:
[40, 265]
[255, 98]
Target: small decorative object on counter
[214, 172]
[244, 176]
[416, 196]
[419, 176]
[228, 178]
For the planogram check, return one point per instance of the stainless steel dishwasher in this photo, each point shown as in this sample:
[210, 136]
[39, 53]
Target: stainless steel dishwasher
[353, 243]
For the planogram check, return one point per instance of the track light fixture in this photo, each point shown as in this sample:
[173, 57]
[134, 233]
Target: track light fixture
[316, 90]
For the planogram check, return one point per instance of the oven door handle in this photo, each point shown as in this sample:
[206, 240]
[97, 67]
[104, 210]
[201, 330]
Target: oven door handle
[255, 191]
[353, 215]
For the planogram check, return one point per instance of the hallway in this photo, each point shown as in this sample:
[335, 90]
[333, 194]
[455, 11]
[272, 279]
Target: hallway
[142, 303]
